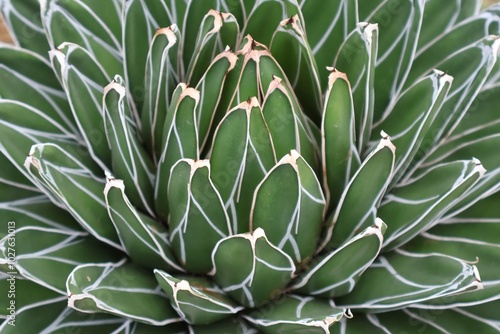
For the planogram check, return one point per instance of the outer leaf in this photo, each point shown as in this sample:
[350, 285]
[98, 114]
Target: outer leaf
[161, 78]
[356, 58]
[291, 186]
[242, 153]
[145, 240]
[296, 314]
[196, 304]
[55, 254]
[412, 117]
[328, 28]
[25, 25]
[13, 184]
[96, 28]
[82, 78]
[39, 89]
[233, 326]
[134, 327]
[197, 210]
[73, 186]
[122, 289]
[250, 269]
[336, 273]
[414, 206]
[399, 24]
[340, 157]
[41, 310]
[361, 198]
[403, 278]
[180, 140]
[129, 159]
[290, 48]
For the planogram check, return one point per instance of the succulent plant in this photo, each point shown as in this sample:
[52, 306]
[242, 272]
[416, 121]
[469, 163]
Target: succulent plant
[274, 166]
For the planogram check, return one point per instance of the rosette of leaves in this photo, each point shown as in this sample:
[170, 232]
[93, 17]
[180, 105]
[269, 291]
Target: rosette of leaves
[211, 166]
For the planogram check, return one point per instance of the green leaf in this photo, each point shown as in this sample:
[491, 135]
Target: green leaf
[144, 239]
[40, 89]
[399, 24]
[414, 205]
[122, 289]
[242, 153]
[25, 25]
[216, 31]
[402, 278]
[129, 159]
[289, 127]
[94, 27]
[56, 252]
[340, 157]
[327, 29]
[296, 314]
[412, 116]
[180, 141]
[40, 310]
[14, 185]
[82, 78]
[197, 304]
[232, 325]
[336, 273]
[250, 269]
[290, 48]
[356, 58]
[292, 186]
[196, 209]
[161, 77]
[70, 183]
[359, 201]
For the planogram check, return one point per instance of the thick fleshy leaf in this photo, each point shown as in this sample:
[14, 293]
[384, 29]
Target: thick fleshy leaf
[358, 204]
[95, 27]
[39, 89]
[290, 48]
[22, 126]
[216, 32]
[211, 88]
[412, 116]
[25, 25]
[289, 127]
[250, 269]
[242, 154]
[198, 219]
[356, 58]
[122, 289]
[180, 141]
[232, 325]
[129, 159]
[472, 235]
[336, 273]
[442, 17]
[40, 310]
[296, 314]
[144, 239]
[415, 205]
[403, 278]
[159, 83]
[55, 254]
[454, 38]
[83, 79]
[469, 67]
[327, 29]
[198, 304]
[72, 185]
[340, 157]
[399, 25]
[292, 187]
[264, 16]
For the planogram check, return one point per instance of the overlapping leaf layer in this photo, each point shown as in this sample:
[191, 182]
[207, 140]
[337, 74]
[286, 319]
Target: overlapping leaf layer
[262, 166]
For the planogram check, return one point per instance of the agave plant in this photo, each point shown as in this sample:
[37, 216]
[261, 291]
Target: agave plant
[274, 166]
